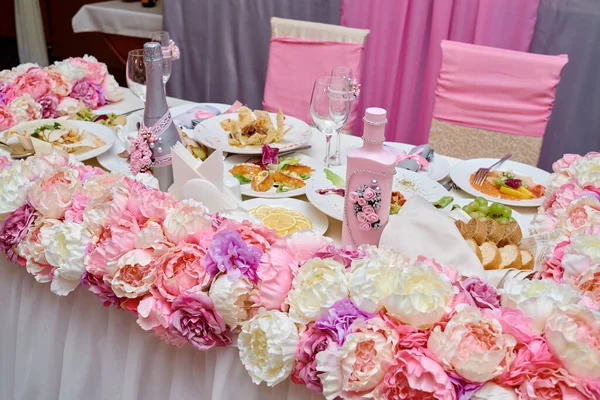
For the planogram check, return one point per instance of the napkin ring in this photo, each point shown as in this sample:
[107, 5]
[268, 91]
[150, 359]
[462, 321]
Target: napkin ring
[366, 201]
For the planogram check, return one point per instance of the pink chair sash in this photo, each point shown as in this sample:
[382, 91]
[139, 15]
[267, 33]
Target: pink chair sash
[294, 64]
[496, 89]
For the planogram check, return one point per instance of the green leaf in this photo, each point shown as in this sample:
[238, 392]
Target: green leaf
[284, 188]
[35, 135]
[499, 182]
[334, 178]
[284, 162]
[305, 176]
[243, 180]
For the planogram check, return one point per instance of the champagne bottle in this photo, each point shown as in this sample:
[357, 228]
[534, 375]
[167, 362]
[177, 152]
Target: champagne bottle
[158, 117]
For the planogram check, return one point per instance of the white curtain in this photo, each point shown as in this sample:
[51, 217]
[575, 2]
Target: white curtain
[30, 32]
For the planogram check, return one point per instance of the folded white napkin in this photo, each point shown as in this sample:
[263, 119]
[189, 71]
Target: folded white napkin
[422, 230]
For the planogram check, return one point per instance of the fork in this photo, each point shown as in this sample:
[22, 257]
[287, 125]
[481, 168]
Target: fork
[482, 173]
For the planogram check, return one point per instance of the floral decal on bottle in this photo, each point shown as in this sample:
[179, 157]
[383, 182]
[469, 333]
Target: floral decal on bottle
[367, 200]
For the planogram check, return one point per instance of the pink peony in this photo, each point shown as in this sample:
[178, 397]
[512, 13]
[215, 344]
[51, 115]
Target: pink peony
[312, 342]
[60, 87]
[5, 162]
[69, 105]
[553, 384]
[579, 214]
[561, 198]
[155, 311]
[181, 270]
[565, 162]
[529, 358]
[514, 323]
[25, 108]
[409, 337]
[135, 274]
[7, 118]
[588, 284]
[343, 255]
[304, 245]
[252, 235]
[87, 93]
[482, 293]
[34, 82]
[195, 319]
[49, 105]
[53, 194]
[13, 228]
[95, 71]
[145, 203]
[276, 271]
[416, 376]
[87, 171]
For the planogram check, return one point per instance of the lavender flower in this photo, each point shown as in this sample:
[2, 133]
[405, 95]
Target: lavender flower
[228, 253]
[339, 319]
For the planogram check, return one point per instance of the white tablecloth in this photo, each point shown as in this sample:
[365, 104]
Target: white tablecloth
[74, 348]
[119, 18]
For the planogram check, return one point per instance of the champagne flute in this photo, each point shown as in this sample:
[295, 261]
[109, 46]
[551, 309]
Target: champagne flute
[345, 73]
[164, 39]
[329, 108]
[136, 73]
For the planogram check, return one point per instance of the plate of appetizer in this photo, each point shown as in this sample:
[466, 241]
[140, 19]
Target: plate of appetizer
[286, 177]
[512, 184]
[287, 216]
[325, 190]
[247, 131]
[83, 140]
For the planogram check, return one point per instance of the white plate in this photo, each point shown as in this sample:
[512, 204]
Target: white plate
[210, 133]
[523, 221]
[438, 169]
[319, 221]
[247, 190]
[406, 182]
[111, 160]
[462, 171]
[99, 130]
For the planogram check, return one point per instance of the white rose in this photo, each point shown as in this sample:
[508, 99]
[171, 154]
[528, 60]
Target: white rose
[586, 170]
[318, 284]
[491, 391]
[582, 253]
[352, 371]
[135, 274]
[232, 299]
[267, 345]
[537, 298]
[111, 89]
[32, 250]
[65, 245]
[185, 220]
[147, 179]
[472, 346]
[68, 106]
[573, 335]
[25, 108]
[13, 188]
[421, 296]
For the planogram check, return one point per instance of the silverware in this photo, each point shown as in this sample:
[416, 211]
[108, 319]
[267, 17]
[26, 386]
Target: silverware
[105, 116]
[283, 153]
[450, 185]
[482, 173]
[15, 155]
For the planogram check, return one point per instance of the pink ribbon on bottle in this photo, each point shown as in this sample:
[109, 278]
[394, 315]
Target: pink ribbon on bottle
[421, 161]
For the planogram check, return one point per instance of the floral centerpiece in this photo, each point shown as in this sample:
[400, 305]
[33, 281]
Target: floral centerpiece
[349, 323]
[29, 92]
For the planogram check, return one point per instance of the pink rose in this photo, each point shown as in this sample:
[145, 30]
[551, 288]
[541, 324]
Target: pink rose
[60, 87]
[13, 229]
[7, 118]
[372, 217]
[362, 202]
[362, 217]
[368, 194]
[276, 271]
[182, 270]
[416, 376]
[253, 235]
[87, 93]
[529, 358]
[552, 384]
[53, 194]
[49, 104]
[34, 82]
[304, 245]
[195, 319]
[312, 342]
[565, 162]
[354, 197]
[365, 226]
[368, 210]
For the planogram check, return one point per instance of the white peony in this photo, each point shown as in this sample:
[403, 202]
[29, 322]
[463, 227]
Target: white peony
[22, 68]
[25, 108]
[492, 391]
[573, 335]
[318, 284]
[420, 297]
[134, 275]
[68, 106]
[582, 253]
[267, 345]
[39, 165]
[586, 170]
[13, 188]
[537, 298]
[65, 244]
[185, 220]
[71, 72]
[32, 250]
[555, 182]
[232, 299]
[147, 179]
[8, 75]
[472, 345]
[112, 91]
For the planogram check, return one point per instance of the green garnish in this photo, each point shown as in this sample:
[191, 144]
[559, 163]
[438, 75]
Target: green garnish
[285, 188]
[500, 182]
[305, 176]
[443, 202]
[35, 135]
[43, 128]
[334, 178]
[284, 162]
[507, 175]
[242, 179]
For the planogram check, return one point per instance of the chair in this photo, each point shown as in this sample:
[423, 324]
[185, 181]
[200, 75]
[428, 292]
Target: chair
[302, 51]
[490, 102]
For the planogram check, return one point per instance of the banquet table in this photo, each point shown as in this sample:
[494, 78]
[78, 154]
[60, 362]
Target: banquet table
[74, 348]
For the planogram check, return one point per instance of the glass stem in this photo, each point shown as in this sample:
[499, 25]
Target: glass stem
[338, 140]
[327, 148]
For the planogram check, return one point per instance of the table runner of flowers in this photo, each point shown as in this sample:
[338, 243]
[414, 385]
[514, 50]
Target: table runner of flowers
[347, 323]
[29, 92]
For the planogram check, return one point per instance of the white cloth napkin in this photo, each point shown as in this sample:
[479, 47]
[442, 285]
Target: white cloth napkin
[420, 229]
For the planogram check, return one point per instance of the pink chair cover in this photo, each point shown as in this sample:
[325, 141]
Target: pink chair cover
[496, 89]
[294, 64]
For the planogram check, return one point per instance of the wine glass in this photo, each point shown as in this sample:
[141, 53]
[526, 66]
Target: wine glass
[136, 73]
[164, 39]
[345, 73]
[329, 108]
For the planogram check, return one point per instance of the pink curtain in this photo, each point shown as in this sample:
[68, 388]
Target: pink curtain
[403, 55]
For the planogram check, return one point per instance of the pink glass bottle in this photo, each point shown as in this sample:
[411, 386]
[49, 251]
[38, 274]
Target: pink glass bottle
[369, 178]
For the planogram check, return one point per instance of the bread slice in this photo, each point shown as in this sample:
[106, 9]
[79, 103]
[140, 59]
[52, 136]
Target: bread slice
[527, 259]
[511, 257]
[480, 230]
[495, 231]
[466, 231]
[512, 235]
[490, 256]
[473, 244]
